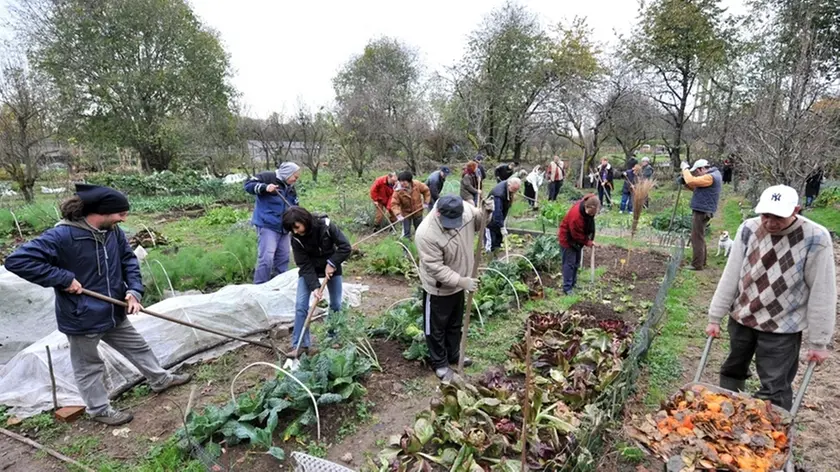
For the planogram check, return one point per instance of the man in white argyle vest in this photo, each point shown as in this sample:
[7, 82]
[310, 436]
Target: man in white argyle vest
[779, 281]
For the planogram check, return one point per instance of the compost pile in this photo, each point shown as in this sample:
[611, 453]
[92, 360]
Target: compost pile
[711, 430]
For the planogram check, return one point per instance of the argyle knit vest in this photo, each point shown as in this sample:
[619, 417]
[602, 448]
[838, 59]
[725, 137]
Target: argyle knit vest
[773, 295]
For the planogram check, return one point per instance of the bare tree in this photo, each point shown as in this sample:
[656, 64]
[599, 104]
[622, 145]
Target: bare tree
[312, 133]
[27, 122]
[350, 134]
[792, 125]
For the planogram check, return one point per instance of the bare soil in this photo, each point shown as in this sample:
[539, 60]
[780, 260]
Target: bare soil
[627, 285]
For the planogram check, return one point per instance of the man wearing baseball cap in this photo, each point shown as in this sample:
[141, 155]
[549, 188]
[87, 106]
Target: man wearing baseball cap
[706, 183]
[445, 242]
[779, 281]
[87, 249]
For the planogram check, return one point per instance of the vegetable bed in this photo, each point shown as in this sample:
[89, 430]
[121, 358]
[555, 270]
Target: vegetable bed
[478, 426]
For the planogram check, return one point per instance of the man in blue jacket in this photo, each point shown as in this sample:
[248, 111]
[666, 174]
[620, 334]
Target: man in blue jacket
[87, 249]
[502, 198]
[435, 182]
[275, 193]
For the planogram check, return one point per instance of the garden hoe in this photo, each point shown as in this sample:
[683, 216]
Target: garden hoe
[123, 304]
[293, 363]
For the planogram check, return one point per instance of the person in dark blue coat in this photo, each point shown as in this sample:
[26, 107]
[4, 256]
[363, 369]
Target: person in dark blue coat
[87, 249]
[275, 193]
[435, 182]
[502, 199]
[630, 178]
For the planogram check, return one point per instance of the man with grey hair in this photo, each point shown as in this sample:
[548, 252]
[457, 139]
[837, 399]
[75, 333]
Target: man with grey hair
[501, 198]
[275, 192]
[779, 282]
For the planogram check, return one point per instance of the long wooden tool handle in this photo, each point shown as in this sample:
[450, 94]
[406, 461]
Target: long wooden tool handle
[309, 315]
[175, 320]
[41, 447]
[469, 303]
[390, 226]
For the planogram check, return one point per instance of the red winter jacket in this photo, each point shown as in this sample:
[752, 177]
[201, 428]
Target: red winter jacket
[381, 192]
[573, 231]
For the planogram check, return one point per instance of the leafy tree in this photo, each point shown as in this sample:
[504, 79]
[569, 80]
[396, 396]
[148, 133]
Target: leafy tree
[679, 41]
[579, 101]
[381, 89]
[27, 122]
[132, 70]
[501, 82]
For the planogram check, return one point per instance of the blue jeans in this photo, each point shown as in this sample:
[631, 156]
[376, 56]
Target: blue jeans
[571, 262]
[809, 200]
[406, 222]
[627, 202]
[273, 251]
[302, 306]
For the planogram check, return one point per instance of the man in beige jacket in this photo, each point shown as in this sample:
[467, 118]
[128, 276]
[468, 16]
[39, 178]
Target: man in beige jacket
[445, 241]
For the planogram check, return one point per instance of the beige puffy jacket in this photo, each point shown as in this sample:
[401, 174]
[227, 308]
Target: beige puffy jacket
[447, 255]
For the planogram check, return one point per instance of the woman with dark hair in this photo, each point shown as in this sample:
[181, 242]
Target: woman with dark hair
[470, 184]
[319, 249]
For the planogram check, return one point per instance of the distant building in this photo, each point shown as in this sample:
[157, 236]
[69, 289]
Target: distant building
[287, 151]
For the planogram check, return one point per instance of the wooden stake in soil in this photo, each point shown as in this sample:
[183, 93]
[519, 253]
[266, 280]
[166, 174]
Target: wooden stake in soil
[52, 380]
[526, 406]
[469, 302]
[41, 447]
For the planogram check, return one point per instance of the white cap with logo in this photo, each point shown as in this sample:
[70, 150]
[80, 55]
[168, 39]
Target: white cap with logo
[779, 200]
[698, 164]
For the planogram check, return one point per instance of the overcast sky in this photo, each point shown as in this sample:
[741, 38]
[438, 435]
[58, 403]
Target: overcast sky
[285, 51]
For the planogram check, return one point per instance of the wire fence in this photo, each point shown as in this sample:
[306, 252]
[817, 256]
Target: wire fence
[606, 409]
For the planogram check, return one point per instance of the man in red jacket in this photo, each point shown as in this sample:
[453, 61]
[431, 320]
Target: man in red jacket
[380, 193]
[577, 230]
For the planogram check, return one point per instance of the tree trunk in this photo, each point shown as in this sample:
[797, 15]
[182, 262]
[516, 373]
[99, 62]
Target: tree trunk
[154, 159]
[490, 145]
[517, 149]
[314, 170]
[27, 189]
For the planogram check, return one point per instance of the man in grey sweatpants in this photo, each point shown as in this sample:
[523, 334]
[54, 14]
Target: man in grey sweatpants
[87, 249]
[779, 281]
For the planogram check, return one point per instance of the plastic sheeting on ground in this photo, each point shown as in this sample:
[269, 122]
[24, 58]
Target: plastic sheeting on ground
[27, 314]
[235, 309]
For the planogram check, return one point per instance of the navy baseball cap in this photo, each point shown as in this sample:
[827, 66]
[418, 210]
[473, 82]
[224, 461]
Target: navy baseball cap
[451, 208]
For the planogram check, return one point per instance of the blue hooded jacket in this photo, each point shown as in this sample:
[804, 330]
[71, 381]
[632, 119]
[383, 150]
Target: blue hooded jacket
[102, 261]
[501, 204]
[270, 207]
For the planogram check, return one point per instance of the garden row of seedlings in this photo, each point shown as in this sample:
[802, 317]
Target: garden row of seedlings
[564, 362]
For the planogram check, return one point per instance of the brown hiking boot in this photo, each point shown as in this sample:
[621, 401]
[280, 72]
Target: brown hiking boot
[113, 417]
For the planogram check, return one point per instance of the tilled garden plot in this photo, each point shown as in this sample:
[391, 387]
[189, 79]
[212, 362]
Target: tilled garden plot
[576, 357]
